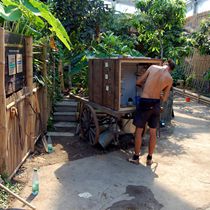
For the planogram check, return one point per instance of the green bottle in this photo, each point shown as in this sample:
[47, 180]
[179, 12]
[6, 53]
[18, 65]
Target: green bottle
[35, 182]
[49, 145]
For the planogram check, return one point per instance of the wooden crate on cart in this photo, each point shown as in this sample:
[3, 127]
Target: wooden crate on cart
[108, 111]
[112, 82]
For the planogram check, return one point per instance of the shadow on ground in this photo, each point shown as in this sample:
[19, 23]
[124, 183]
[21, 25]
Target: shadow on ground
[114, 184]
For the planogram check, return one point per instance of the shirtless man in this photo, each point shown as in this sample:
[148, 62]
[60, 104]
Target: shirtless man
[156, 83]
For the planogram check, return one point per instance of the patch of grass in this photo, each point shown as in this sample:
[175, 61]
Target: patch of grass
[4, 196]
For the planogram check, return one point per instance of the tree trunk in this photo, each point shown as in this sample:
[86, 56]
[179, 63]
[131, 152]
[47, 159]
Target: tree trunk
[161, 46]
[97, 32]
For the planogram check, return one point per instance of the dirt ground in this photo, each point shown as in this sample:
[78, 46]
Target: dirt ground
[64, 150]
[75, 149]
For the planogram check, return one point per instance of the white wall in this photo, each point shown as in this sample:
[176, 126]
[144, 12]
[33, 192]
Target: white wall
[128, 6]
[202, 6]
[125, 6]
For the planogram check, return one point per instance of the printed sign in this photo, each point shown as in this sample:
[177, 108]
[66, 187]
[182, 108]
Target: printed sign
[19, 62]
[12, 64]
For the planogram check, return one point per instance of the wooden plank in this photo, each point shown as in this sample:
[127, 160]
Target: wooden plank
[90, 79]
[118, 85]
[112, 84]
[108, 83]
[45, 91]
[97, 81]
[29, 81]
[153, 61]
[19, 165]
[3, 122]
[10, 150]
[21, 97]
[118, 114]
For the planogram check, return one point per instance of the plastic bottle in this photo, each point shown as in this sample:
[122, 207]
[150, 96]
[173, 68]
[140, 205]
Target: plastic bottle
[49, 145]
[35, 182]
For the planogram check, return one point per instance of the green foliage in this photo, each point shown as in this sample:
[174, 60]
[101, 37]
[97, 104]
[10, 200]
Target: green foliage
[160, 26]
[111, 45]
[178, 74]
[201, 38]
[84, 17]
[207, 75]
[10, 13]
[28, 12]
[190, 79]
[87, 22]
[4, 196]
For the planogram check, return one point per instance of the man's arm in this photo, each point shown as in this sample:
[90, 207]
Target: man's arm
[142, 79]
[166, 92]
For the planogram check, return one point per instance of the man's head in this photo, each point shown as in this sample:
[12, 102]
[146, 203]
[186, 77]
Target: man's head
[171, 64]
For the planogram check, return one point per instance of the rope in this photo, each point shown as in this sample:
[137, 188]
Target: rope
[15, 114]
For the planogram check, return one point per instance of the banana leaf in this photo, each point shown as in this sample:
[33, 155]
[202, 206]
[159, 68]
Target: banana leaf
[10, 13]
[40, 9]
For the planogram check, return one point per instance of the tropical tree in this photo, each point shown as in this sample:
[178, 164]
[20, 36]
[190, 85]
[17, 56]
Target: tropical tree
[86, 18]
[202, 38]
[160, 25]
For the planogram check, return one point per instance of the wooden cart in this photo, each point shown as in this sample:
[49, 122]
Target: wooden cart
[96, 121]
[112, 97]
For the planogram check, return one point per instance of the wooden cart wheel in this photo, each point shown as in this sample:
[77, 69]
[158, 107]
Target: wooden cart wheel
[89, 124]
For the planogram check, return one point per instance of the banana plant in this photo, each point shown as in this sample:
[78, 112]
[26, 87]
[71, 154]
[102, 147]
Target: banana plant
[36, 12]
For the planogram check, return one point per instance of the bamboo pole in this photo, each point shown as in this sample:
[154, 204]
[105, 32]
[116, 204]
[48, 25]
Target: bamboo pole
[3, 122]
[29, 80]
[21, 98]
[60, 70]
[44, 99]
[17, 196]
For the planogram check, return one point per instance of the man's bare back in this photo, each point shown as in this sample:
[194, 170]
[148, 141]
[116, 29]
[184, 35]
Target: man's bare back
[154, 81]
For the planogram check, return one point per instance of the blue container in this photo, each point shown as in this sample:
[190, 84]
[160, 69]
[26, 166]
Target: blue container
[137, 100]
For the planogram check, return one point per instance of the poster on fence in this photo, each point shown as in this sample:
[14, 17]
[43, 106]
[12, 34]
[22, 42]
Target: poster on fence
[19, 62]
[12, 64]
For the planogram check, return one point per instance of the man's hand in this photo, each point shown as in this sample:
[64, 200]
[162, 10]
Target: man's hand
[161, 109]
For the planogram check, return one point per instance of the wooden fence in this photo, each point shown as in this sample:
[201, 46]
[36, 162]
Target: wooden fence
[24, 112]
[197, 64]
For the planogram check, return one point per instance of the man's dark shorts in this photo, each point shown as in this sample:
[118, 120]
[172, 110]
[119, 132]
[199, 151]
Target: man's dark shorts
[148, 110]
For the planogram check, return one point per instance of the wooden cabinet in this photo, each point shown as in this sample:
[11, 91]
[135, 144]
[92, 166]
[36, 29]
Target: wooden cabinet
[112, 82]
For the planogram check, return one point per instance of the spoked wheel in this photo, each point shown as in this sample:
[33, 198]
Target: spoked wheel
[89, 124]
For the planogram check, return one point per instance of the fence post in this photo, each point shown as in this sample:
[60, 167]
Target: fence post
[45, 98]
[3, 122]
[29, 82]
